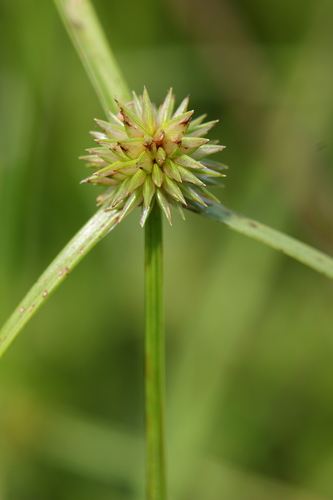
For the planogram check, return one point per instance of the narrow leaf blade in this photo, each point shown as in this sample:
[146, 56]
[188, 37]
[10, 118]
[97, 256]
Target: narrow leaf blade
[290, 246]
[92, 232]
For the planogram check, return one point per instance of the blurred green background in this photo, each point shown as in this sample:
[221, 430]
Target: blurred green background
[249, 331]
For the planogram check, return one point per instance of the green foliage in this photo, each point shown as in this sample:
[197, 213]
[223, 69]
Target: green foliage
[249, 373]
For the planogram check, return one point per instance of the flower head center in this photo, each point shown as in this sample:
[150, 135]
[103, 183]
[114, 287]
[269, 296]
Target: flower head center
[153, 155]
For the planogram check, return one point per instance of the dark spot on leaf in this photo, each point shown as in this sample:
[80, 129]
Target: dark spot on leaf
[77, 24]
[123, 148]
[159, 140]
[32, 307]
[64, 270]
[253, 224]
[186, 121]
[125, 118]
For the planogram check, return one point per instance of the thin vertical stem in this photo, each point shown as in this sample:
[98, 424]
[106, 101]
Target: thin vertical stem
[154, 356]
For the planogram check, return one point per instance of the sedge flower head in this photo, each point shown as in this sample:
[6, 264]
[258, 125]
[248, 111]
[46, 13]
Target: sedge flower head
[148, 155]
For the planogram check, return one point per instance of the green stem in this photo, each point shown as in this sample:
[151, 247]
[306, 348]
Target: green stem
[154, 356]
[92, 46]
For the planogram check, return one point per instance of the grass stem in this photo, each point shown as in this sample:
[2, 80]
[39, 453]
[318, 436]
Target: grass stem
[88, 37]
[154, 356]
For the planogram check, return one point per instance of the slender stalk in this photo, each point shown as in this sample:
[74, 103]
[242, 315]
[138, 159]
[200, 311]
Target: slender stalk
[92, 46]
[154, 356]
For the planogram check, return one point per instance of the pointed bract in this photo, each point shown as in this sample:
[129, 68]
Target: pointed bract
[192, 143]
[182, 107]
[144, 214]
[96, 160]
[179, 208]
[196, 122]
[113, 131]
[133, 125]
[192, 194]
[136, 181]
[114, 118]
[164, 205]
[188, 176]
[157, 175]
[132, 147]
[201, 130]
[208, 162]
[207, 194]
[171, 187]
[206, 150]
[188, 162]
[121, 192]
[105, 154]
[109, 169]
[166, 109]
[160, 156]
[148, 112]
[179, 123]
[148, 190]
[145, 162]
[133, 201]
[172, 170]
[98, 135]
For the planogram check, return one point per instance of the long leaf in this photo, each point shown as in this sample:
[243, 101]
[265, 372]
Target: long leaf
[290, 246]
[92, 232]
[92, 46]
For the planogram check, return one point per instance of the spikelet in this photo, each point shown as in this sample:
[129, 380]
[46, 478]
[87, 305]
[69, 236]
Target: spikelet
[147, 155]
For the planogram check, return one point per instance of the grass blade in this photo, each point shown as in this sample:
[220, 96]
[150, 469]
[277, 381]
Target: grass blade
[93, 48]
[92, 232]
[290, 246]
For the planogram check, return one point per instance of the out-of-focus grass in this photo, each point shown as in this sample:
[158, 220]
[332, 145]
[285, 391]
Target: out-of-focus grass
[249, 332]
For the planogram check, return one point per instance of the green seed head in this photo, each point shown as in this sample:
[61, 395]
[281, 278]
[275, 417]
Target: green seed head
[147, 155]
